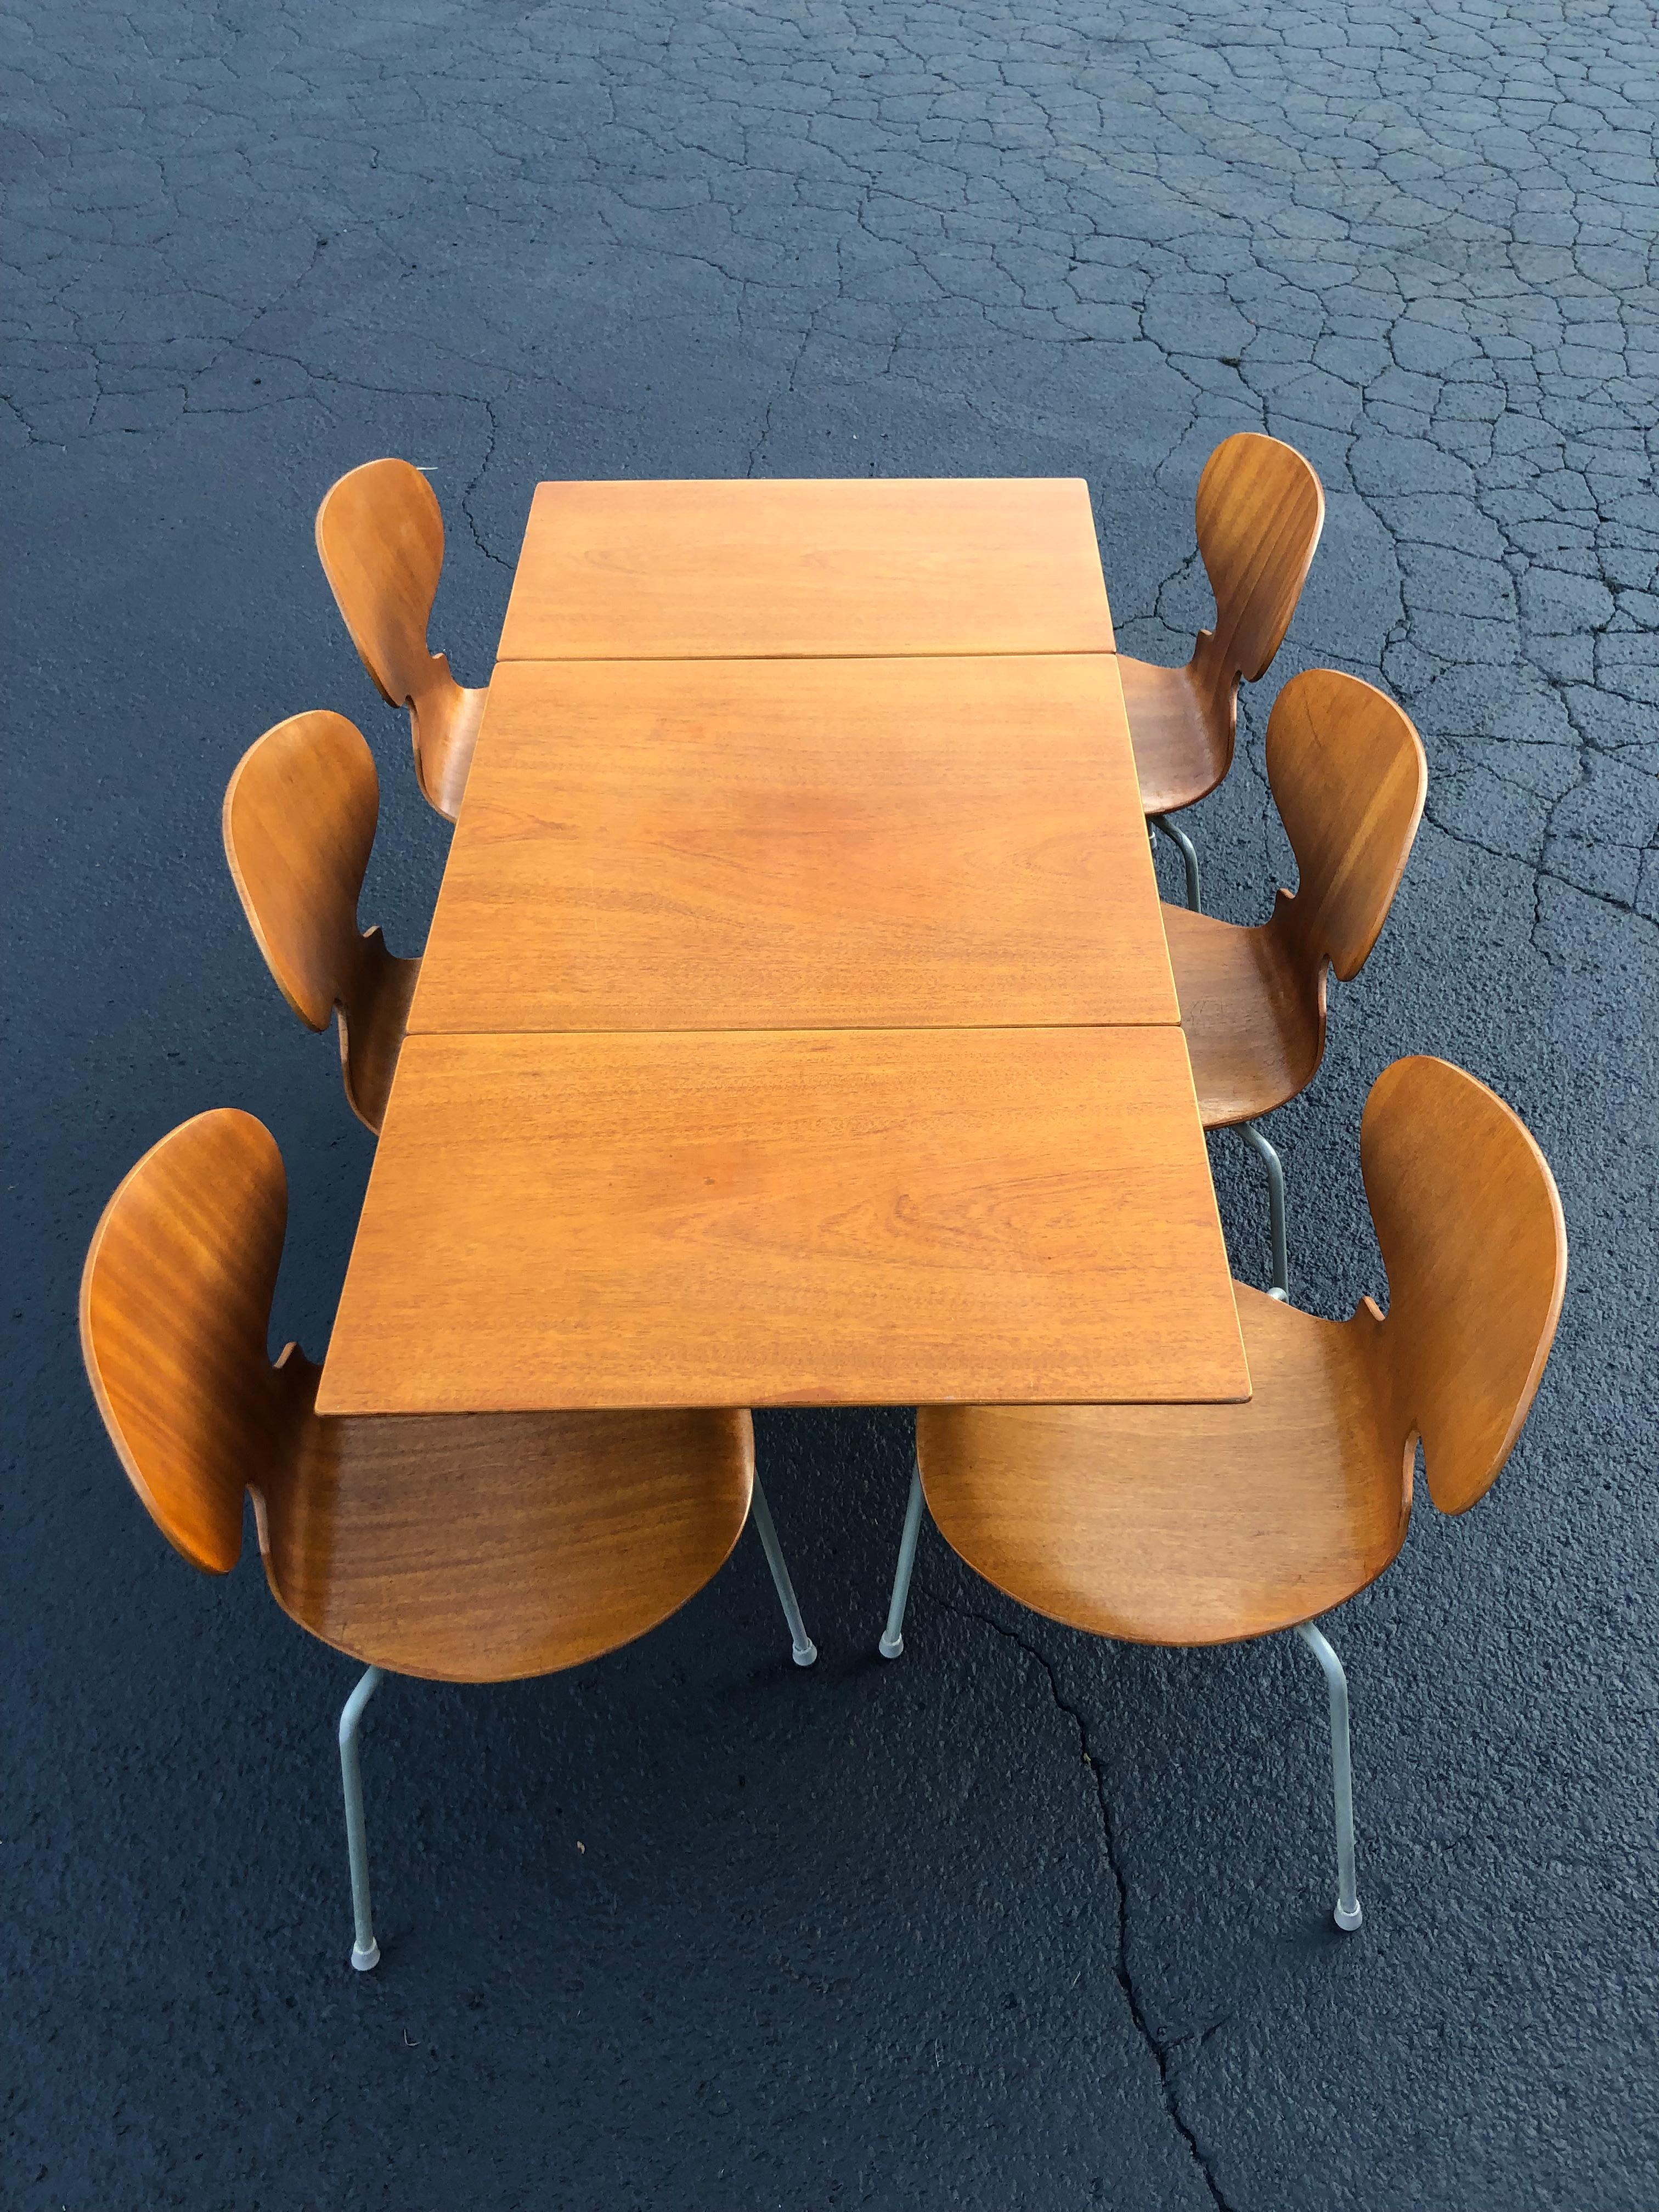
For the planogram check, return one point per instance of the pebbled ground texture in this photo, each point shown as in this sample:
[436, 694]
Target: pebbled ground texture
[1021, 1920]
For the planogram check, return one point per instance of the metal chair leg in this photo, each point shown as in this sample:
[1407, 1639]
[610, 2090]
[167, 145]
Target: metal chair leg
[892, 1642]
[1189, 852]
[365, 1951]
[1348, 1895]
[805, 1651]
[1270, 1160]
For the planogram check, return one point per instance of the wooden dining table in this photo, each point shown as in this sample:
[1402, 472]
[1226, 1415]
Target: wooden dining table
[796, 1024]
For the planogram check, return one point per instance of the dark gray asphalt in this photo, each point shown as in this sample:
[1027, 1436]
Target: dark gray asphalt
[1021, 1921]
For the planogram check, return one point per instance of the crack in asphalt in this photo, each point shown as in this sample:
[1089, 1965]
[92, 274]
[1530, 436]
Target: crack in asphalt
[1159, 2046]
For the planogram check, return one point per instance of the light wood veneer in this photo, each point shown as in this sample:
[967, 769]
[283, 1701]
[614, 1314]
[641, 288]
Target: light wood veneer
[1350, 776]
[380, 540]
[730, 569]
[761, 844]
[299, 820]
[1201, 1524]
[826, 1217]
[470, 1549]
[1260, 511]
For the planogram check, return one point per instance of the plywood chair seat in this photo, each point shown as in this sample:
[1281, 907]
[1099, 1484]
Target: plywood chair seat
[1253, 1013]
[372, 1032]
[1183, 734]
[464, 1548]
[454, 720]
[1184, 1524]
[1193, 1525]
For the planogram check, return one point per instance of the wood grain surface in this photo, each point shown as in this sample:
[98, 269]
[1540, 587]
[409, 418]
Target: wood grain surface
[299, 821]
[1259, 514]
[731, 569]
[1349, 775]
[474, 1550]
[762, 844]
[380, 540]
[818, 1217]
[1470, 1226]
[1201, 1524]
[1184, 1524]
[175, 1304]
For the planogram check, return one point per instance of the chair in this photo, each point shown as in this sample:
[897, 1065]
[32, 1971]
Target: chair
[1260, 512]
[1190, 1525]
[1349, 776]
[469, 1548]
[299, 822]
[380, 538]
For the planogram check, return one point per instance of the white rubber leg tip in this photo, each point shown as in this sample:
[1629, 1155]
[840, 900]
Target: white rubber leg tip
[890, 1646]
[805, 1653]
[365, 1961]
[1284, 1297]
[1349, 1917]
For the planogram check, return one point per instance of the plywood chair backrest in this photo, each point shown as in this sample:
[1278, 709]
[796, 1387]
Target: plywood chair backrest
[175, 1307]
[380, 539]
[1349, 776]
[299, 819]
[1259, 510]
[1469, 1224]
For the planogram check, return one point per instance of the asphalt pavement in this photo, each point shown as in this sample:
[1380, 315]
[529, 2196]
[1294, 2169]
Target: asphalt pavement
[1022, 1920]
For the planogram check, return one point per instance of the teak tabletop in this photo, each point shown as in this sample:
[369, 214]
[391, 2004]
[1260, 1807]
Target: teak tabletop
[762, 844]
[757, 567]
[797, 1024]
[778, 1217]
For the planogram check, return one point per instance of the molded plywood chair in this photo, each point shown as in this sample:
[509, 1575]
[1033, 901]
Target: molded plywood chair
[1204, 1525]
[461, 1548]
[1349, 775]
[299, 821]
[380, 538]
[1260, 511]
